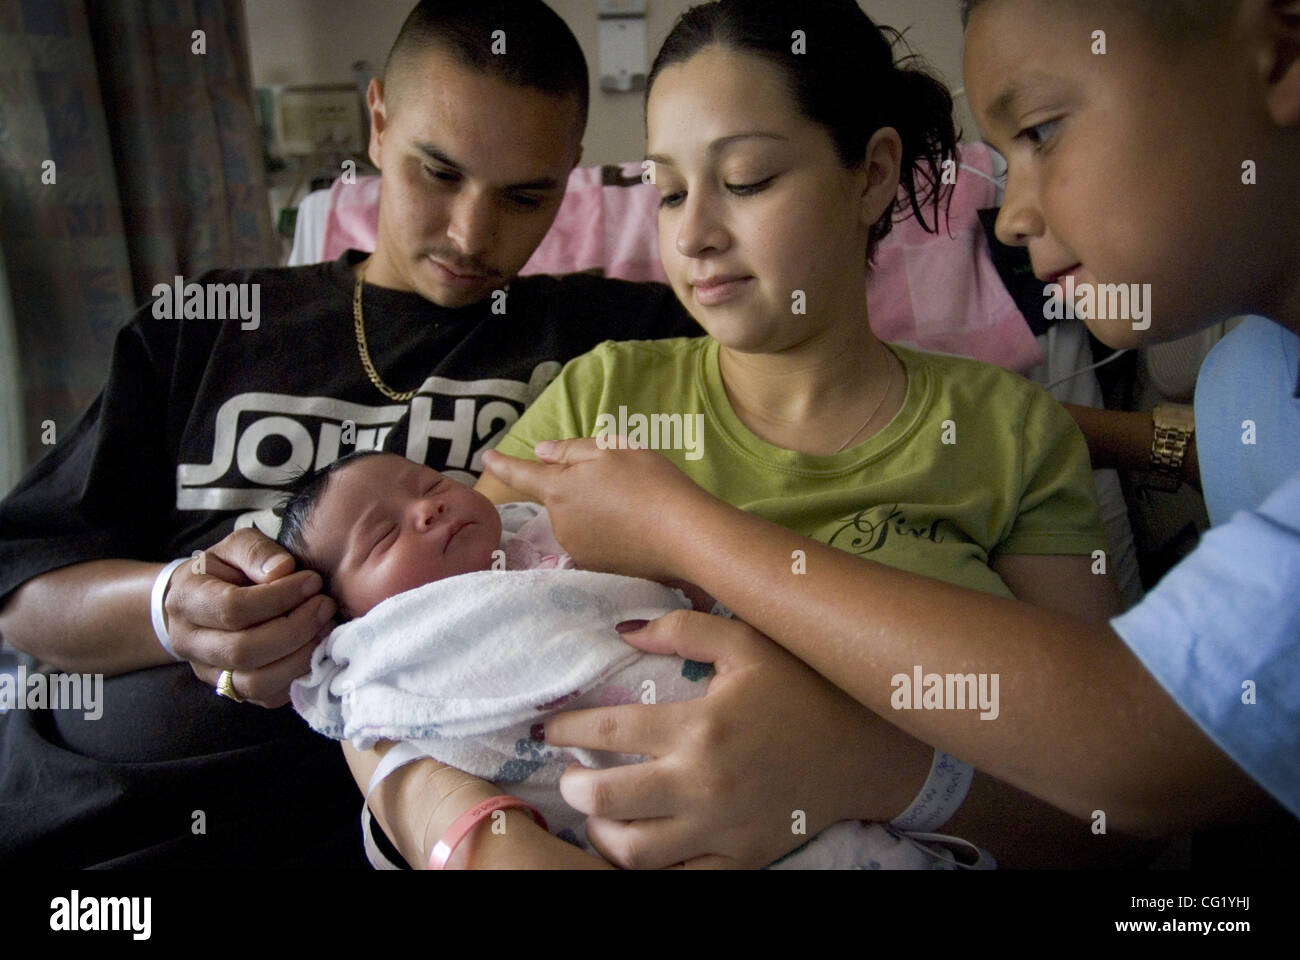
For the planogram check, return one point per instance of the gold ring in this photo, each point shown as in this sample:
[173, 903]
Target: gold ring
[226, 687]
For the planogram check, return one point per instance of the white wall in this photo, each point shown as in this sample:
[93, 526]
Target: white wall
[316, 41]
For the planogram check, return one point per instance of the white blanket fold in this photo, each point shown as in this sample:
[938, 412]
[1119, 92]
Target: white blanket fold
[476, 653]
[468, 667]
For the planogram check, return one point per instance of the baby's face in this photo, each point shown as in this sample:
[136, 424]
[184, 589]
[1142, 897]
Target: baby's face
[385, 525]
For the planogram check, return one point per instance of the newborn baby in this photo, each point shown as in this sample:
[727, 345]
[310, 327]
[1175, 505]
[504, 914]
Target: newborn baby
[460, 660]
[374, 525]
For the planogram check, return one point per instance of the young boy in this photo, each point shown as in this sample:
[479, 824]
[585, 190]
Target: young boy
[1155, 145]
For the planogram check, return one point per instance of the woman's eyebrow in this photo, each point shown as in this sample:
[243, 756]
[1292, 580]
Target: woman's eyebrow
[717, 146]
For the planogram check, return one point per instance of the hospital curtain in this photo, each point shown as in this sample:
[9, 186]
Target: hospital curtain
[129, 154]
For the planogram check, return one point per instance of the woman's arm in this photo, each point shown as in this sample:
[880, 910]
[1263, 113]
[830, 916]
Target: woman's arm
[1065, 584]
[769, 737]
[418, 802]
[1081, 724]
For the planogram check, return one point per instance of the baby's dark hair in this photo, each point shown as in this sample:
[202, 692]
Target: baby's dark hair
[302, 494]
[845, 79]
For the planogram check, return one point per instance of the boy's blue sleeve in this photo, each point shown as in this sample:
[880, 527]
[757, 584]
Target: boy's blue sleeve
[1221, 633]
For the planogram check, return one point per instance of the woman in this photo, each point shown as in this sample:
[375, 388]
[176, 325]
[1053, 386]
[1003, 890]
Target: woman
[777, 139]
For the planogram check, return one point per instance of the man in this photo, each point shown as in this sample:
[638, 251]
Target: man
[475, 127]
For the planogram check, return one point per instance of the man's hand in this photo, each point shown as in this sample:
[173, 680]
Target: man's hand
[612, 510]
[249, 613]
[771, 748]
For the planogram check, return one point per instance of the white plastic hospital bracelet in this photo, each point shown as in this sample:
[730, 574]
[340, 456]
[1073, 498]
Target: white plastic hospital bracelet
[944, 791]
[156, 605]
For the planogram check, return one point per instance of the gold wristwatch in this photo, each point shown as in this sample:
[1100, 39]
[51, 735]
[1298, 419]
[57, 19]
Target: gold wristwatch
[1175, 424]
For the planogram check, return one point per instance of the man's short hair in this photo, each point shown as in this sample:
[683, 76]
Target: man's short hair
[521, 41]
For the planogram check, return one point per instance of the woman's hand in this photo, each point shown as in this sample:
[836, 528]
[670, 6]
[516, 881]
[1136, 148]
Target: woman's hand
[770, 750]
[248, 612]
[618, 511]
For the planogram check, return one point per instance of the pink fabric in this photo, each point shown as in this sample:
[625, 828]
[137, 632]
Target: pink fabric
[353, 220]
[576, 240]
[944, 293]
[934, 291]
[534, 547]
[631, 230]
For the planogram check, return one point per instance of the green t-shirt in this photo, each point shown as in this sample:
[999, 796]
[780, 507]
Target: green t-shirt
[978, 462]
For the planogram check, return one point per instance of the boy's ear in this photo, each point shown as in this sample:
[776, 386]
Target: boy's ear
[1282, 61]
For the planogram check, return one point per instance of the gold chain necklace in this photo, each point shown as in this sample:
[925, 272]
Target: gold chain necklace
[360, 326]
[888, 383]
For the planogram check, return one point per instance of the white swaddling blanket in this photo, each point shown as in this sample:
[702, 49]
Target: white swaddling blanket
[469, 666]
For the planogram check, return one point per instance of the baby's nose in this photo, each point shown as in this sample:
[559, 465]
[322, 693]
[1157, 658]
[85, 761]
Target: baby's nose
[429, 512]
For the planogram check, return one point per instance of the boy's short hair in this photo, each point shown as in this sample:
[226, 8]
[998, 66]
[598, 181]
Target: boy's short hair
[540, 49]
[302, 494]
[1176, 19]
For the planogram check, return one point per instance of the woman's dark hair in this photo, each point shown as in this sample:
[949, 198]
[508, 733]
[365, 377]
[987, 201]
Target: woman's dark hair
[301, 496]
[841, 72]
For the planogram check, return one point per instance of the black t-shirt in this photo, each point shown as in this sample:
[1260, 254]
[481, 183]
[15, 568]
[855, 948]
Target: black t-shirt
[202, 421]
[199, 423]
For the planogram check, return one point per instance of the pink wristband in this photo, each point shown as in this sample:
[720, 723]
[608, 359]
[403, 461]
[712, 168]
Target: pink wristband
[468, 820]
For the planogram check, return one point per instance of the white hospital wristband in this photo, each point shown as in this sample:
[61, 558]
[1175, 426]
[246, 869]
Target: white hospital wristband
[944, 791]
[156, 605]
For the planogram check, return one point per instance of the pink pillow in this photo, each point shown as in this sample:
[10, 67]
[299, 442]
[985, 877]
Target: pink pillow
[932, 291]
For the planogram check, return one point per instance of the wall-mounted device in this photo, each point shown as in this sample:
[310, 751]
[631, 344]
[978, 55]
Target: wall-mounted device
[622, 45]
[317, 119]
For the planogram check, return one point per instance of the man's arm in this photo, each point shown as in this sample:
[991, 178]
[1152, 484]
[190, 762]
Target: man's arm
[87, 618]
[248, 612]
